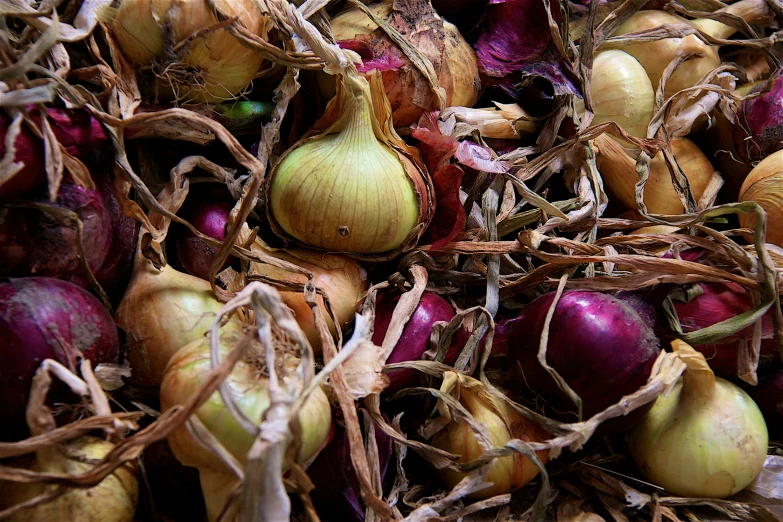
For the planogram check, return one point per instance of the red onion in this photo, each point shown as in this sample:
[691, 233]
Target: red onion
[719, 302]
[207, 209]
[769, 398]
[415, 338]
[337, 493]
[77, 131]
[759, 129]
[598, 344]
[36, 313]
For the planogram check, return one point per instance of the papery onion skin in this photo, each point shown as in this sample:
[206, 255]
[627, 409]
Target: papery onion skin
[162, 311]
[214, 68]
[598, 344]
[343, 279]
[705, 438]
[32, 309]
[415, 338]
[503, 423]
[764, 185]
[759, 129]
[33, 243]
[406, 88]
[186, 372]
[621, 92]
[114, 499]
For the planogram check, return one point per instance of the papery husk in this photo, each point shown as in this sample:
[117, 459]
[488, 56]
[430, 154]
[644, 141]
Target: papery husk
[113, 499]
[343, 280]
[618, 170]
[354, 89]
[192, 53]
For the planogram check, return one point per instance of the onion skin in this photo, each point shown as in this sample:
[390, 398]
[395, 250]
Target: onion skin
[407, 90]
[30, 308]
[598, 344]
[415, 338]
[161, 312]
[759, 129]
[764, 185]
[337, 493]
[113, 499]
[33, 243]
[705, 439]
[343, 279]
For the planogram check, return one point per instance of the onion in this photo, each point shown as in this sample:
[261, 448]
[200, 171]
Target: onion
[187, 371]
[764, 185]
[207, 209]
[76, 131]
[342, 278]
[599, 345]
[407, 89]
[162, 311]
[213, 66]
[769, 398]
[33, 242]
[759, 129]
[415, 338]
[114, 498]
[39, 319]
[706, 438]
[337, 495]
[719, 302]
[503, 424]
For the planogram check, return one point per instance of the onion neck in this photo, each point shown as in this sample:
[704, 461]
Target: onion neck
[698, 381]
[752, 11]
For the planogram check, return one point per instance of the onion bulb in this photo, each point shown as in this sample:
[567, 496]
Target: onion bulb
[342, 278]
[618, 170]
[351, 185]
[114, 498]
[621, 92]
[192, 61]
[503, 424]
[759, 129]
[187, 371]
[705, 439]
[408, 91]
[764, 185]
[162, 311]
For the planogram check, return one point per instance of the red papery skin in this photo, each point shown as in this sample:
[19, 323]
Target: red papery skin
[598, 344]
[415, 338]
[759, 128]
[44, 318]
[337, 493]
[77, 131]
[390, 59]
[516, 45]
[719, 302]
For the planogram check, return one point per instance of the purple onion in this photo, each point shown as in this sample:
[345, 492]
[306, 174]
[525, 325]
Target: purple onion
[337, 493]
[207, 209]
[415, 338]
[759, 128]
[33, 243]
[598, 344]
[41, 318]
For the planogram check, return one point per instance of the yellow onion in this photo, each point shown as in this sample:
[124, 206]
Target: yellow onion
[656, 55]
[162, 311]
[351, 185]
[621, 92]
[764, 185]
[187, 371]
[706, 438]
[212, 66]
[503, 423]
[618, 170]
[114, 498]
[342, 278]
[408, 91]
